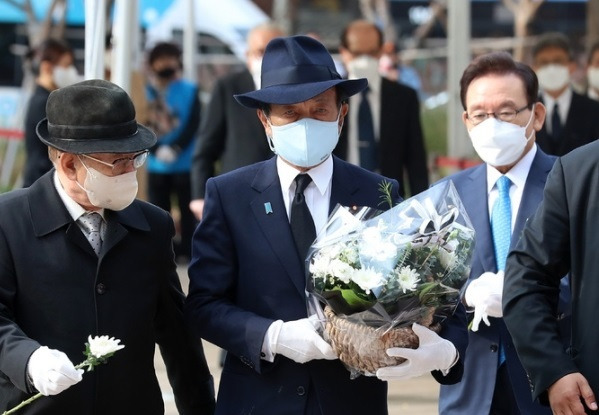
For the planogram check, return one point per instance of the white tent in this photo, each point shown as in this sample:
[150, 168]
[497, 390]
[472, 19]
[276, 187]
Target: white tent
[227, 20]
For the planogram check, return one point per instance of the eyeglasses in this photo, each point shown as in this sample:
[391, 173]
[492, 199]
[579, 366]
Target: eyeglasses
[506, 115]
[121, 164]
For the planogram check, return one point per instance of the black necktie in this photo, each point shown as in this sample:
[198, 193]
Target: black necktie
[556, 123]
[366, 138]
[302, 225]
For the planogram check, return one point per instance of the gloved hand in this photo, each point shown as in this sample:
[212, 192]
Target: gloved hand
[299, 341]
[166, 154]
[433, 353]
[484, 294]
[51, 371]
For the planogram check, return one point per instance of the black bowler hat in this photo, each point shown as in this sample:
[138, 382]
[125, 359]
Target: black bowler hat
[296, 69]
[93, 116]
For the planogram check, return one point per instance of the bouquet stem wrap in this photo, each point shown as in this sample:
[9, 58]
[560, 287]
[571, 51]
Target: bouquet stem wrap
[372, 274]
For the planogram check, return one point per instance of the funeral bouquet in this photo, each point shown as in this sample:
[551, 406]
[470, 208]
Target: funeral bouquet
[372, 274]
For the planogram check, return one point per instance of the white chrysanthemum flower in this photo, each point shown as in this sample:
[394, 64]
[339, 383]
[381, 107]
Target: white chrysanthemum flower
[367, 279]
[341, 270]
[408, 279]
[351, 254]
[447, 259]
[319, 267]
[380, 251]
[101, 346]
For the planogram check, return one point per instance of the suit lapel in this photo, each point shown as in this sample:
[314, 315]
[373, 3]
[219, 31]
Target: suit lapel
[533, 192]
[343, 186]
[275, 225]
[476, 201]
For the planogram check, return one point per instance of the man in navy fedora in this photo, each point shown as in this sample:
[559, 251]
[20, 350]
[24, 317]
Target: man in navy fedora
[79, 257]
[247, 276]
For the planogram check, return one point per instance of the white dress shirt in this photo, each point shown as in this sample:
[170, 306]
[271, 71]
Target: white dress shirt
[517, 175]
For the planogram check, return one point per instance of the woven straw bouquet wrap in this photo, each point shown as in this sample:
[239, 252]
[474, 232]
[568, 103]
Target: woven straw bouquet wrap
[372, 275]
[363, 347]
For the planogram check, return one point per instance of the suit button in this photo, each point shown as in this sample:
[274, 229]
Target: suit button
[301, 391]
[494, 348]
[100, 288]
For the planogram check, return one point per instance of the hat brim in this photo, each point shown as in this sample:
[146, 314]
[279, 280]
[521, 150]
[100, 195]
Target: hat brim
[294, 93]
[143, 139]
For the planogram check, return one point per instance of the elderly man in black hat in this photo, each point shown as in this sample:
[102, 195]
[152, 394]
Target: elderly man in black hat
[247, 276]
[79, 257]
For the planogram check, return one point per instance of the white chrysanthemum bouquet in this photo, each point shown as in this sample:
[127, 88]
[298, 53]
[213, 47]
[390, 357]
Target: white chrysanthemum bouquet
[377, 273]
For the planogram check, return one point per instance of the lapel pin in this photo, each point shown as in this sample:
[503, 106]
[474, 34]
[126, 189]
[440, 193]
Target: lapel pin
[268, 208]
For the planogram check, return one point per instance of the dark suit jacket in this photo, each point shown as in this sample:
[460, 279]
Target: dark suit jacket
[230, 134]
[55, 291]
[401, 143]
[582, 127]
[245, 274]
[473, 395]
[561, 236]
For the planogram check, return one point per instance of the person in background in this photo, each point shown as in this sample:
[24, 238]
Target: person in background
[593, 72]
[174, 115]
[79, 257]
[391, 67]
[53, 64]
[502, 115]
[572, 118]
[231, 136]
[383, 131]
[247, 277]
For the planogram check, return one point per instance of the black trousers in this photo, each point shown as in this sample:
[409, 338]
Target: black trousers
[504, 402]
[161, 190]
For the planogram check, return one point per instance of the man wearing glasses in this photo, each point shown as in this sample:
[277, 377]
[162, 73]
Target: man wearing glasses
[502, 115]
[79, 256]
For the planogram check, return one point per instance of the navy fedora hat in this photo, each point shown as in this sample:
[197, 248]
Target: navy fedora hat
[93, 116]
[296, 69]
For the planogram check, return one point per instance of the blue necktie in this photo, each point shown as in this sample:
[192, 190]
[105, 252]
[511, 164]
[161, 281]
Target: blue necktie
[366, 137]
[501, 225]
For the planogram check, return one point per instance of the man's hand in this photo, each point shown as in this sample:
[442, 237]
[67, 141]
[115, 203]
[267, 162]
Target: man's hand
[299, 341]
[197, 208]
[566, 395]
[51, 371]
[484, 294]
[433, 353]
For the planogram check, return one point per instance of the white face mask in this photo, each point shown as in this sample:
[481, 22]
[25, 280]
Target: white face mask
[364, 66]
[305, 143]
[593, 77]
[553, 77]
[500, 143]
[65, 76]
[110, 192]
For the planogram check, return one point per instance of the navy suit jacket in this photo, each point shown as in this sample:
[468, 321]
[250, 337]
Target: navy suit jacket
[473, 395]
[245, 274]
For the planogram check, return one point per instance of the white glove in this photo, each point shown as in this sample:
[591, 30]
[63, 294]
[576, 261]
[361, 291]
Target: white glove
[433, 353]
[484, 294]
[299, 341]
[51, 371]
[166, 154]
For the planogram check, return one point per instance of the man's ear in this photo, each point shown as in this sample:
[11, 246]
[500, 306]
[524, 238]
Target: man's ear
[67, 162]
[264, 121]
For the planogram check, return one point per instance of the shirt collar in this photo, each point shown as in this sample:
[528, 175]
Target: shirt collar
[74, 208]
[516, 174]
[563, 100]
[321, 175]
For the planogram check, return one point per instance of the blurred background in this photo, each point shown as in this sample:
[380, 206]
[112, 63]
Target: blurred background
[435, 40]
